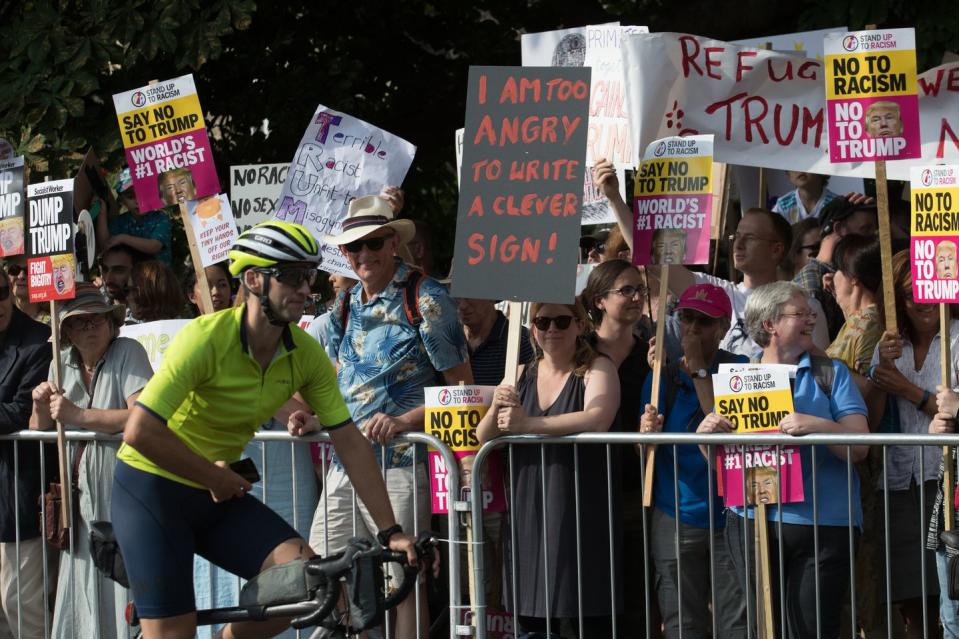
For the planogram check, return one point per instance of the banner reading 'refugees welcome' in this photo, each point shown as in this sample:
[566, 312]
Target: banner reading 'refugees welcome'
[166, 143]
[51, 264]
[340, 158]
[517, 226]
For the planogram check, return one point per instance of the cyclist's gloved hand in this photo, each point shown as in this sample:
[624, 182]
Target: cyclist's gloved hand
[227, 484]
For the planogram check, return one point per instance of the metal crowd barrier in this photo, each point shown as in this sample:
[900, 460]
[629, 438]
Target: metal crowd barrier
[479, 607]
[38, 438]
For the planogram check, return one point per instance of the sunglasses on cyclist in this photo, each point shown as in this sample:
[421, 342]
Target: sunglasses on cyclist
[562, 322]
[372, 243]
[292, 276]
[4, 293]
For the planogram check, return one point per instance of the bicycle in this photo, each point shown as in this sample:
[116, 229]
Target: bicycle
[305, 589]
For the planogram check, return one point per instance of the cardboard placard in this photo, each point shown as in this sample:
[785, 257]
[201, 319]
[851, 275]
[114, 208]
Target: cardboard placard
[254, 192]
[339, 159]
[755, 400]
[517, 231]
[155, 337]
[166, 143]
[12, 207]
[934, 195]
[51, 264]
[672, 207]
[872, 101]
[213, 227]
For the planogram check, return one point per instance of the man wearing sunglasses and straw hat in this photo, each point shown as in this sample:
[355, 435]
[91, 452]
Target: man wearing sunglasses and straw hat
[390, 334]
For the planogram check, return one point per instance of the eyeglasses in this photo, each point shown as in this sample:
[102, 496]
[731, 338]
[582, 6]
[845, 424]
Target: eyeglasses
[4, 293]
[372, 243]
[87, 323]
[292, 276]
[630, 292]
[749, 238]
[14, 270]
[562, 322]
[692, 317]
[803, 316]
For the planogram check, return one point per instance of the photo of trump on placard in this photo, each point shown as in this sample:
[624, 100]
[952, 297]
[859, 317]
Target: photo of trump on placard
[946, 267]
[882, 120]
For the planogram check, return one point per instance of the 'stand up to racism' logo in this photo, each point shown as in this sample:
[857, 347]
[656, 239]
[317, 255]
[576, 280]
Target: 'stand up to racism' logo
[926, 177]
[138, 99]
[660, 149]
[850, 43]
[445, 397]
[735, 383]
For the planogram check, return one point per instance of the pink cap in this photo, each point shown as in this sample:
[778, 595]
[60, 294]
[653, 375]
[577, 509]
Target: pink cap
[707, 299]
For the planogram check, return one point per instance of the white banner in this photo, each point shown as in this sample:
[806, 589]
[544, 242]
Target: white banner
[213, 228]
[765, 108]
[254, 192]
[154, 336]
[339, 159]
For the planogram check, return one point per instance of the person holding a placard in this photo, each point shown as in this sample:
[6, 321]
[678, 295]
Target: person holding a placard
[907, 367]
[25, 356]
[148, 233]
[685, 396]
[781, 320]
[103, 375]
[386, 356]
[570, 388]
[943, 423]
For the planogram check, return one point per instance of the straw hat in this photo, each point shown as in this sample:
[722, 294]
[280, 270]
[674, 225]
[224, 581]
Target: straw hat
[89, 301]
[367, 214]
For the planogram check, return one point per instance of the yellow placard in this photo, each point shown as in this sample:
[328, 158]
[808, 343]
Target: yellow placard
[674, 176]
[871, 74]
[935, 211]
[159, 121]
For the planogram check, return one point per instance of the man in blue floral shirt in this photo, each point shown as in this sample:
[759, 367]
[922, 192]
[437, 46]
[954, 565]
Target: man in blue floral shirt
[387, 352]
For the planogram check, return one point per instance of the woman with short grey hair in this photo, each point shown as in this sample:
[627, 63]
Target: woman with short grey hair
[812, 540]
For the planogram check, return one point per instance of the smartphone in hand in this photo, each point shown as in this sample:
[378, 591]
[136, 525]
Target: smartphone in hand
[246, 469]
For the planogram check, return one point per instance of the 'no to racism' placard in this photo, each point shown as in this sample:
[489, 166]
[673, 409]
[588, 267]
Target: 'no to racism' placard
[12, 206]
[935, 233]
[517, 229]
[166, 143]
[51, 265]
[872, 100]
[673, 201]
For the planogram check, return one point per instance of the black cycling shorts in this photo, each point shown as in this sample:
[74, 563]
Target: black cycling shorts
[161, 523]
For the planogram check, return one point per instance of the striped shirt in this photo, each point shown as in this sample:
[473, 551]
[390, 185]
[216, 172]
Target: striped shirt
[790, 206]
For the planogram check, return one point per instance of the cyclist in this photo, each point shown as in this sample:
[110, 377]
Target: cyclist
[222, 376]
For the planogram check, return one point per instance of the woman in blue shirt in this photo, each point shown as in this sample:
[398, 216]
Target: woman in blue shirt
[685, 526]
[779, 319]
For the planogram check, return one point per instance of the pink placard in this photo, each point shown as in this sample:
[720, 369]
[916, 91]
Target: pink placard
[671, 229]
[761, 474]
[159, 170]
[869, 129]
[494, 496]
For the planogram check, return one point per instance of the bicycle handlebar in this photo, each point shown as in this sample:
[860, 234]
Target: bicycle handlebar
[331, 569]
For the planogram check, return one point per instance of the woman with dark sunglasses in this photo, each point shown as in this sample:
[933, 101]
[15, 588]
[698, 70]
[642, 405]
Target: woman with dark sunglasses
[569, 388]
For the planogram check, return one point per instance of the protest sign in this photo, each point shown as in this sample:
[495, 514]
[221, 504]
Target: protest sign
[517, 231]
[212, 223]
[755, 400]
[51, 266]
[935, 233]
[673, 202]
[452, 415]
[872, 101]
[255, 191]
[155, 337]
[339, 159]
[12, 207]
[938, 120]
[166, 143]
[91, 197]
[765, 108]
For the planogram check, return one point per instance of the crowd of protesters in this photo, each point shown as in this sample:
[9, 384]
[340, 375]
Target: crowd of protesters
[807, 293]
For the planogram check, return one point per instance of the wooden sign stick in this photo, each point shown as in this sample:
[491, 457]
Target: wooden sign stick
[658, 358]
[65, 493]
[946, 363]
[515, 311]
[206, 301]
[723, 214]
[764, 593]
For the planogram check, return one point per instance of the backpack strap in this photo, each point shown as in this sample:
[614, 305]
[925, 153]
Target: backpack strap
[345, 298]
[824, 373]
[411, 297]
